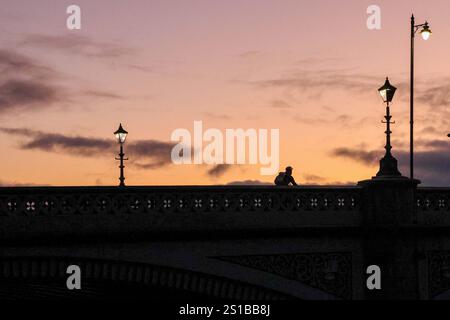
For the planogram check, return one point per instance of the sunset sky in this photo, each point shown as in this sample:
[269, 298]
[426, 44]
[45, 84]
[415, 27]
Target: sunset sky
[308, 68]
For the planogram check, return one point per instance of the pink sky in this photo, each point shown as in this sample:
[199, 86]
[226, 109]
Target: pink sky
[311, 69]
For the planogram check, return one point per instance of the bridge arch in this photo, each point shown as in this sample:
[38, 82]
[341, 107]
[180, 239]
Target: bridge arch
[45, 277]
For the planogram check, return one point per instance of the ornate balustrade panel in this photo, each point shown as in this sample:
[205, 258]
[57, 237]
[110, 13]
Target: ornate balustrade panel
[94, 211]
[433, 206]
[108, 200]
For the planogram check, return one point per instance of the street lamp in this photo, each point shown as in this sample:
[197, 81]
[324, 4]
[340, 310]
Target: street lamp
[388, 164]
[387, 92]
[121, 136]
[426, 33]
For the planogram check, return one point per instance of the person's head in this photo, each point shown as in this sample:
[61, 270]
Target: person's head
[289, 170]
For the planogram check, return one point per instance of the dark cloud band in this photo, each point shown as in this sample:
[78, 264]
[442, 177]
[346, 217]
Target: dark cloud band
[145, 154]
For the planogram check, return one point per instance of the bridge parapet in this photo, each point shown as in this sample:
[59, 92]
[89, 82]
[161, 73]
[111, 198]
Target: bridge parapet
[158, 209]
[433, 206]
[84, 211]
[110, 200]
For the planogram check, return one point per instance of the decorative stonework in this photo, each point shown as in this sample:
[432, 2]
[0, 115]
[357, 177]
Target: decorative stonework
[329, 272]
[433, 199]
[438, 272]
[134, 200]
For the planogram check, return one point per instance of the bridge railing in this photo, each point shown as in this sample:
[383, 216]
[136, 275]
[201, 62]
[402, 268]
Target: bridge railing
[27, 212]
[433, 199]
[50, 201]
[433, 206]
[35, 201]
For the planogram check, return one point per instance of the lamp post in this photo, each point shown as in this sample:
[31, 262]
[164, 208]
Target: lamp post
[121, 136]
[426, 33]
[388, 164]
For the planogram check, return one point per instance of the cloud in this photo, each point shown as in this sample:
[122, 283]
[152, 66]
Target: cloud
[314, 78]
[218, 116]
[431, 166]
[280, 104]
[20, 184]
[430, 130]
[25, 84]
[312, 178]
[25, 94]
[76, 44]
[158, 152]
[341, 183]
[435, 95]
[145, 69]
[300, 118]
[219, 170]
[12, 63]
[53, 142]
[315, 180]
[359, 155]
[432, 144]
[324, 78]
[431, 163]
[144, 154]
[316, 82]
[249, 54]
[60, 143]
[102, 94]
[249, 183]
[316, 61]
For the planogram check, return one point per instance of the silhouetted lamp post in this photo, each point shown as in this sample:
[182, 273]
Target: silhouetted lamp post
[426, 33]
[121, 136]
[388, 164]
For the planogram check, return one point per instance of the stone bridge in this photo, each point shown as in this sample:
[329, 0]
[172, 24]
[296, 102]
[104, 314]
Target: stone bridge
[249, 243]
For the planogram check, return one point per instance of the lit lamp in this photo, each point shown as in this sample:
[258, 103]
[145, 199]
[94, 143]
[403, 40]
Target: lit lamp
[387, 92]
[426, 34]
[121, 136]
[388, 164]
